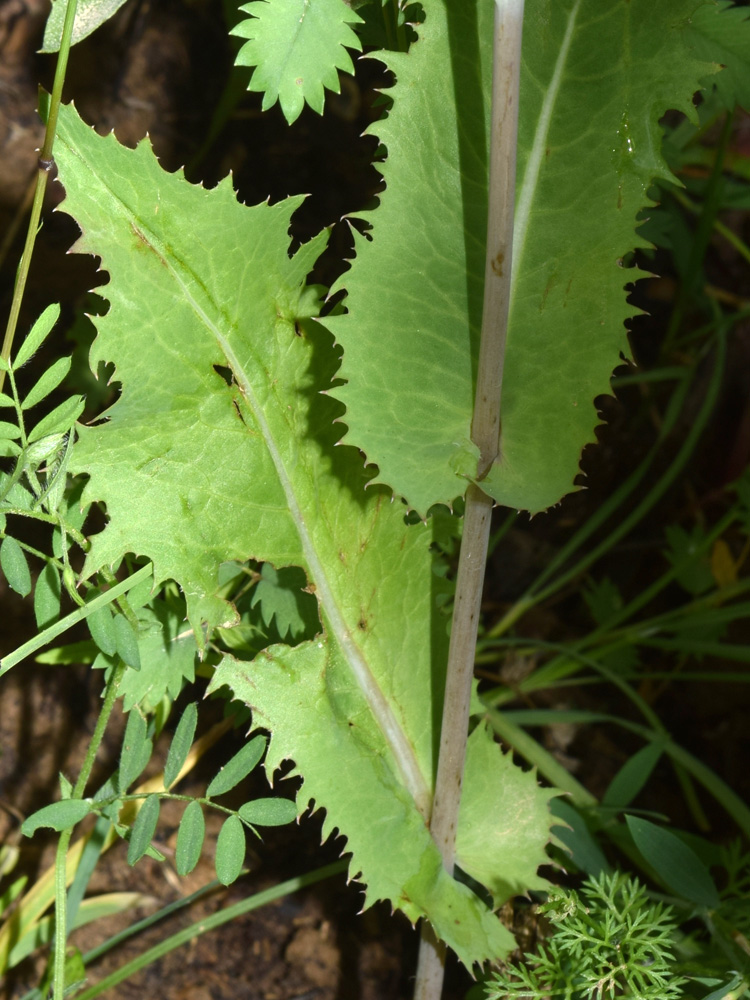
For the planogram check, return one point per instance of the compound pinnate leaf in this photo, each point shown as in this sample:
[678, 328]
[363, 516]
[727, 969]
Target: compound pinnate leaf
[588, 149]
[297, 48]
[197, 470]
[190, 838]
[230, 850]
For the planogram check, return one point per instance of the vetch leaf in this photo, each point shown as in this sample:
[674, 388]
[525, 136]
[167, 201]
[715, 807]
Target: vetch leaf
[47, 596]
[101, 626]
[60, 420]
[90, 14]
[268, 812]
[190, 838]
[198, 469]
[296, 47]
[182, 740]
[230, 850]
[144, 828]
[588, 150]
[14, 566]
[675, 863]
[136, 750]
[9, 430]
[237, 768]
[58, 816]
[37, 335]
[126, 641]
[47, 383]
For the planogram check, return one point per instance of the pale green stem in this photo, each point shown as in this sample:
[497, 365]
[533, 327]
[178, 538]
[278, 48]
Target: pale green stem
[44, 166]
[61, 893]
[485, 433]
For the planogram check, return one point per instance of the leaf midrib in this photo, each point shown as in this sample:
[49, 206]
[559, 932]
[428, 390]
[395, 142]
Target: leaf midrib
[398, 742]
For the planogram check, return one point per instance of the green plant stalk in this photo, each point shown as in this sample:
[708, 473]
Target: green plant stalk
[45, 165]
[79, 615]
[210, 923]
[485, 433]
[61, 895]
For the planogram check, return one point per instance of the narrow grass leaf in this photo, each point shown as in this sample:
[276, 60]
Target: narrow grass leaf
[47, 596]
[47, 383]
[57, 816]
[268, 812]
[230, 850]
[632, 776]
[143, 829]
[14, 566]
[190, 838]
[676, 864]
[238, 767]
[37, 335]
[182, 740]
[136, 750]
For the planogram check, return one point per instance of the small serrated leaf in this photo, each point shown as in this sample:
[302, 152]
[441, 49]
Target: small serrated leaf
[268, 812]
[136, 750]
[237, 768]
[47, 383]
[127, 642]
[14, 566]
[37, 335]
[58, 816]
[296, 47]
[190, 838]
[230, 850]
[60, 420]
[143, 829]
[47, 596]
[182, 740]
[102, 629]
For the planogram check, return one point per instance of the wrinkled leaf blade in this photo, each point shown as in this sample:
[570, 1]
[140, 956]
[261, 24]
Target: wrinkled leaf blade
[226, 472]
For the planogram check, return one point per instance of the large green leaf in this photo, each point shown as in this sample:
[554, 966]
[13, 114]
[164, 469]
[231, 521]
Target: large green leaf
[221, 447]
[297, 48]
[596, 77]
